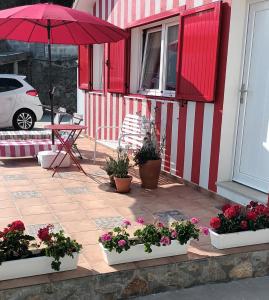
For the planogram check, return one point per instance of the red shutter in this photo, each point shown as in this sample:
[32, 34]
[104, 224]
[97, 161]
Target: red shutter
[198, 53]
[85, 67]
[117, 67]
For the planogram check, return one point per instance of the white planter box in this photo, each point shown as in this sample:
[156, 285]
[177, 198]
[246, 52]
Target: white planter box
[137, 253]
[34, 266]
[239, 239]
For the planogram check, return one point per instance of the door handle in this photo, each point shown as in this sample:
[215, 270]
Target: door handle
[243, 91]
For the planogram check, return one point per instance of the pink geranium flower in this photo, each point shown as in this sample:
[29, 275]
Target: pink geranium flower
[121, 243]
[194, 220]
[174, 234]
[140, 220]
[204, 230]
[160, 224]
[165, 240]
[126, 223]
[106, 237]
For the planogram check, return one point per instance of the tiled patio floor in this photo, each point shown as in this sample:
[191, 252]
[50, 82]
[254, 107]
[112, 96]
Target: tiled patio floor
[85, 206]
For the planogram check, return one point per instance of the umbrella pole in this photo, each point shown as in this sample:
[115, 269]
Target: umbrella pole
[50, 80]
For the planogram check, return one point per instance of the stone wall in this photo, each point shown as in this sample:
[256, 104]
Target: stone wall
[64, 66]
[148, 280]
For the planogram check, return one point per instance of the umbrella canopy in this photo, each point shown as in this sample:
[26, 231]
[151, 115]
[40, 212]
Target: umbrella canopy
[30, 23]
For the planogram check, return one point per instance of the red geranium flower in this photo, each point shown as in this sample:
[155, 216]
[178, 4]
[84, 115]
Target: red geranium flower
[231, 212]
[226, 206]
[5, 231]
[251, 216]
[244, 225]
[17, 225]
[215, 223]
[44, 234]
[261, 209]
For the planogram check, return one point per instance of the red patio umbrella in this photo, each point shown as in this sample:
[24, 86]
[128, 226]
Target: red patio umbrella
[55, 24]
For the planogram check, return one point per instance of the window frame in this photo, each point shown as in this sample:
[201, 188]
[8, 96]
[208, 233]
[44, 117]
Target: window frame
[103, 58]
[137, 55]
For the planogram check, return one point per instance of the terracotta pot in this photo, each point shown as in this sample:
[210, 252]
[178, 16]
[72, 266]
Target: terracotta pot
[150, 173]
[112, 181]
[123, 184]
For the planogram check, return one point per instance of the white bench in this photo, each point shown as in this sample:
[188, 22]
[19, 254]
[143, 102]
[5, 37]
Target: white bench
[131, 135]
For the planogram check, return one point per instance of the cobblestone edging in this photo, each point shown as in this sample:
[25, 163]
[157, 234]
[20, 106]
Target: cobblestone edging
[125, 284]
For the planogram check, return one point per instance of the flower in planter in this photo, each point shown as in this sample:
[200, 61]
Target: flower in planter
[126, 223]
[226, 206]
[237, 218]
[44, 234]
[165, 240]
[173, 234]
[106, 237]
[122, 243]
[118, 239]
[151, 235]
[57, 245]
[15, 244]
[17, 225]
[140, 220]
[215, 223]
[204, 230]
[194, 220]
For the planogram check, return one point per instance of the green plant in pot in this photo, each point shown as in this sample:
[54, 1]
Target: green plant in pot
[148, 159]
[121, 177]
[110, 168]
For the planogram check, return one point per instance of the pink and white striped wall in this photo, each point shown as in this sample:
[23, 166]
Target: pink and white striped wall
[192, 131]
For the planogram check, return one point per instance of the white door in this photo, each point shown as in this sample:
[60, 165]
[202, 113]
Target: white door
[252, 149]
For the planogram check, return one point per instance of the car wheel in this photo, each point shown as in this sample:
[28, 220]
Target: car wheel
[24, 120]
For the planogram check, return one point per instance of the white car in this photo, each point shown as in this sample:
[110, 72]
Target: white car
[20, 106]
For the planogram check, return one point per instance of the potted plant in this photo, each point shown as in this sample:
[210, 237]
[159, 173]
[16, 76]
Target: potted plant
[21, 255]
[110, 168]
[121, 177]
[148, 159]
[148, 242]
[238, 226]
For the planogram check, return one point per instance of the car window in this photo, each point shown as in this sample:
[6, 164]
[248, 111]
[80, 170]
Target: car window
[9, 84]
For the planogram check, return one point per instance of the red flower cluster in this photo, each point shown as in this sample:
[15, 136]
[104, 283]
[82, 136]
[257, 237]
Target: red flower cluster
[14, 226]
[17, 225]
[215, 223]
[236, 218]
[44, 234]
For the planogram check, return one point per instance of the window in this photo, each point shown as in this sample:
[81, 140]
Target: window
[98, 67]
[158, 72]
[9, 84]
